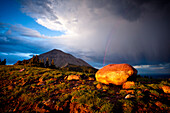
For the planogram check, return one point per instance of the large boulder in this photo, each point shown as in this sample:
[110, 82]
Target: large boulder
[115, 74]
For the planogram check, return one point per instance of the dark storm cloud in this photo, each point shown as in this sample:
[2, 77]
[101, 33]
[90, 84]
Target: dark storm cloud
[131, 9]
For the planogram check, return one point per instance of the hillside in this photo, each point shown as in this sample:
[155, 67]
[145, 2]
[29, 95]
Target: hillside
[35, 89]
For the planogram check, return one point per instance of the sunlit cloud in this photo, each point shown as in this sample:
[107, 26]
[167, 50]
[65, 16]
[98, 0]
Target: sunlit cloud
[142, 66]
[27, 55]
[158, 68]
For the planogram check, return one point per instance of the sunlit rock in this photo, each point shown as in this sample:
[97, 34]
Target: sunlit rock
[21, 70]
[98, 86]
[128, 85]
[158, 103]
[166, 89]
[10, 87]
[90, 78]
[115, 74]
[130, 91]
[73, 77]
[129, 96]
[41, 79]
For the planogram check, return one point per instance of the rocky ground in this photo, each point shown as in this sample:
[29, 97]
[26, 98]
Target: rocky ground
[35, 89]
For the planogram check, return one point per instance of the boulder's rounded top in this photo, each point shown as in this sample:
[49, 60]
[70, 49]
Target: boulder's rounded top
[117, 67]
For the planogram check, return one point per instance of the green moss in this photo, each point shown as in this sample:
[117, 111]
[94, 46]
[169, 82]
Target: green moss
[57, 76]
[105, 87]
[11, 77]
[154, 86]
[154, 92]
[165, 82]
[107, 107]
[91, 99]
[127, 105]
[111, 92]
[141, 86]
[96, 82]
[122, 92]
[28, 98]
[64, 97]
[62, 86]
[50, 81]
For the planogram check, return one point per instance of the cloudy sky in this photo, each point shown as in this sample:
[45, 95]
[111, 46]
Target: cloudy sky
[100, 32]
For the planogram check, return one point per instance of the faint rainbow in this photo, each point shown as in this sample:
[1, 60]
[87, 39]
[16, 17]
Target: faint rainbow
[107, 45]
[116, 25]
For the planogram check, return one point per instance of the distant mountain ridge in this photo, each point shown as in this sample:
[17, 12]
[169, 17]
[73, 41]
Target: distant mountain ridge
[62, 59]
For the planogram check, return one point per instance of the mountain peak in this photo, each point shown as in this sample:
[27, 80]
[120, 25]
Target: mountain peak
[55, 50]
[61, 58]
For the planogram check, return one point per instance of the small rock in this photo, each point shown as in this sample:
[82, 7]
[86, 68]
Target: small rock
[23, 83]
[74, 97]
[98, 86]
[11, 98]
[166, 89]
[40, 108]
[158, 103]
[47, 102]
[74, 87]
[10, 110]
[82, 83]
[90, 78]
[77, 84]
[41, 79]
[65, 78]
[146, 90]
[117, 93]
[73, 77]
[139, 92]
[128, 84]
[21, 70]
[33, 87]
[129, 96]
[41, 83]
[140, 96]
[107, 98]
[10, 87]
[130, 91]
[104, 90]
